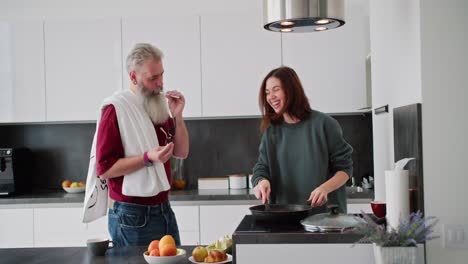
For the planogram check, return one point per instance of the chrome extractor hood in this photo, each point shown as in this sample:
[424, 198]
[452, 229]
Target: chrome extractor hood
[303, 15]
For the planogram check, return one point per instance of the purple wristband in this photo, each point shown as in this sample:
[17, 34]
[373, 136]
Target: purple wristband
[148, 162]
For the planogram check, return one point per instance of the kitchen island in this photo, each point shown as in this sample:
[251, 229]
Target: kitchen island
[78, 255]
[259, 242]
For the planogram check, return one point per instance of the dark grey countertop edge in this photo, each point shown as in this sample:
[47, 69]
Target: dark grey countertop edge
[79, 255]
[59, 196]
[295, 238]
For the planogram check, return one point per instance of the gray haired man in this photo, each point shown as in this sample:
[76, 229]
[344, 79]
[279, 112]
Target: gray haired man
[139, 130]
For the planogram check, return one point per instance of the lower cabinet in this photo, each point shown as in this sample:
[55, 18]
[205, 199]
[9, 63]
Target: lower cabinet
[219, 220]
[16, 228]
[98, 228]
[62, 227]
[189, 224]
[59, 227]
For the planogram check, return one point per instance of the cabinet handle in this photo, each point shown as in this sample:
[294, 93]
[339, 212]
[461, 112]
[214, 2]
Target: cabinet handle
[381, 110]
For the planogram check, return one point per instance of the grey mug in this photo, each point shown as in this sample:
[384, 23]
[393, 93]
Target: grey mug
[99, 246]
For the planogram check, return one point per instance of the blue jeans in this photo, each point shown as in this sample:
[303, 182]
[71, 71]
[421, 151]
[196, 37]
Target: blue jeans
[138, 225]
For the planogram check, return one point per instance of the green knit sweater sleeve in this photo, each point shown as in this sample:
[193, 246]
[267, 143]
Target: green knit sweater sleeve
[261, 169]
[339, 150]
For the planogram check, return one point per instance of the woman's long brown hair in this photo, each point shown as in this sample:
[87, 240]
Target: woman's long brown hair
[297, 105]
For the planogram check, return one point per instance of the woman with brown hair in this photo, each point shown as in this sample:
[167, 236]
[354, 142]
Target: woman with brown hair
[302, 154]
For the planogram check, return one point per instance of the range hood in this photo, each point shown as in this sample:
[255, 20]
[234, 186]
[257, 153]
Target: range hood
[303, 15]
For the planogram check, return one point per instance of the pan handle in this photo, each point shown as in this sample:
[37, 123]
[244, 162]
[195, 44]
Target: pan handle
[267, 204]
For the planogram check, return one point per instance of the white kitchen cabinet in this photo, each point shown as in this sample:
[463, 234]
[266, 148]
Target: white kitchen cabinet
[179, 39]
[333, 253]
[189, 224]
[217, 221]
[332, 64]
[22, 85]
[83, 66]
[357, 208]
[236, 55]
[98, 228]
[59, 227]
[16, 228]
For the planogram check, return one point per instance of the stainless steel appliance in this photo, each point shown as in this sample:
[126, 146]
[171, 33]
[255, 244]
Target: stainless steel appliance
[15, 170]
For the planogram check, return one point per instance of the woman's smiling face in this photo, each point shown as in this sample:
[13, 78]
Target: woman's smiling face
[275, 95]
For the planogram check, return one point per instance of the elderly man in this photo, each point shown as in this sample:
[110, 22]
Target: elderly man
[136, 137]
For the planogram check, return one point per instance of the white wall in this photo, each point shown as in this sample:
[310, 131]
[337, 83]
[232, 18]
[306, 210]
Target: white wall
[396, 75]
[444, 39]
[419, 55]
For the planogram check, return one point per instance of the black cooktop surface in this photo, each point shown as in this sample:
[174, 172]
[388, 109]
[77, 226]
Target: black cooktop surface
[251, 231]
[250, 225]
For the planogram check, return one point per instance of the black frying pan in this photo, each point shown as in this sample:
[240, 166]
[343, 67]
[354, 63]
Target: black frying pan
[281, 213]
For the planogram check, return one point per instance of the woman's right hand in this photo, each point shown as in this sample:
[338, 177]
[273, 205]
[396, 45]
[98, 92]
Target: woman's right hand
[161, 153]
[262, 190]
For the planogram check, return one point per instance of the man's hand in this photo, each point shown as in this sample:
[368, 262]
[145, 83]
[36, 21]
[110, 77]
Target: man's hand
[262, 190]
[176, 103]
[161, 153]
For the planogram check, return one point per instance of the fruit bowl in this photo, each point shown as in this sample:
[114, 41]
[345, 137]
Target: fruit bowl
[74, 189]
[165, 260]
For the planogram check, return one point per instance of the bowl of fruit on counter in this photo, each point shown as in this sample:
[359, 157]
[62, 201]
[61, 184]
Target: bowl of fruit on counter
[73, 187]
[164, 251]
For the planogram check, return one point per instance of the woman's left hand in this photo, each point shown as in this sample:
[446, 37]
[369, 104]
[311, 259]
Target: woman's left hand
[318, 197]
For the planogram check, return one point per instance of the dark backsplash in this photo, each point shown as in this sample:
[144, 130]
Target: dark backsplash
[218, 147]
[60, 151]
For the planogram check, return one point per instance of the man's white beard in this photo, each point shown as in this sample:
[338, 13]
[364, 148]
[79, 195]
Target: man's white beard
[154, 103]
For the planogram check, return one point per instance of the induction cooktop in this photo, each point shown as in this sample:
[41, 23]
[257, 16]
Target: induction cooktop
[250, 225]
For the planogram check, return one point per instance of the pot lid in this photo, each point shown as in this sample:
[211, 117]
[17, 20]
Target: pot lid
[332, 221]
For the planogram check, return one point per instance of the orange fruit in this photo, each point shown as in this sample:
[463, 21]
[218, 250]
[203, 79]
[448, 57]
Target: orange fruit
[168, 250]
[154, 252]
[166, 240]
[66, 183]
[153, 245]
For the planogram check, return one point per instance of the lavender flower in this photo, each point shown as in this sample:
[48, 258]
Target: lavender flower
[410, 231]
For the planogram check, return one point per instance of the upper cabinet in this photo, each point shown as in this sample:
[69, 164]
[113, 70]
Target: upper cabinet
[83, 66]
[22, 86]
[236, 54]
[332, 64]
[61, 69]
[179, 39]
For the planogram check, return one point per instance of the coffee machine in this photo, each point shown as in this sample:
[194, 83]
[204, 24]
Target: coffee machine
[15, 170]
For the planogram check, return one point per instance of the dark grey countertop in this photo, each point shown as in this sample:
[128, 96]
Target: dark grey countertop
[194, 196]
[60, 196]
[78, 255]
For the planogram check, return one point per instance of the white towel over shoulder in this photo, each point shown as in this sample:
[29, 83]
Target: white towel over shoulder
[138, 135]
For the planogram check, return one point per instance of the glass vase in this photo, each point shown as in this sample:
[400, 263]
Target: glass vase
[178, 180]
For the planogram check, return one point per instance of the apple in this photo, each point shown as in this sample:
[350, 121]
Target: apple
[74, 185]
[199, 253]
[66, 183]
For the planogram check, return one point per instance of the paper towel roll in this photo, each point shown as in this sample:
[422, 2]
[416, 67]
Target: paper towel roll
[397, 196]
